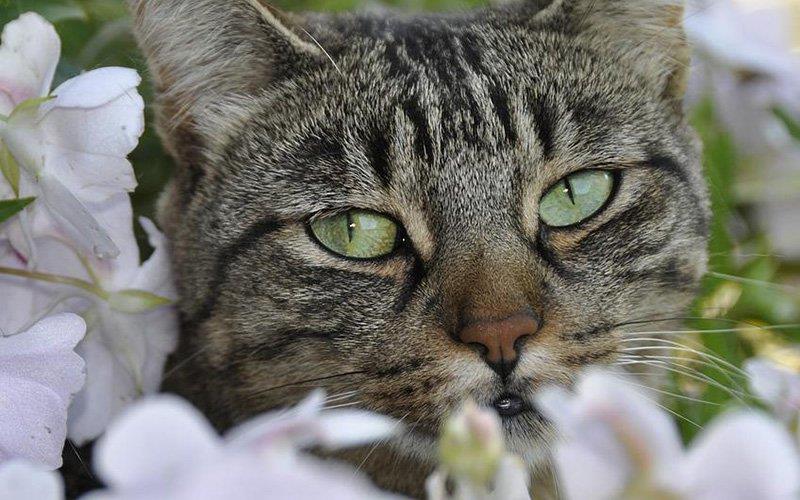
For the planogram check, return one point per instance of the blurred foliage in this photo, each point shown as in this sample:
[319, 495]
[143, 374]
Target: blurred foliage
[750, 294]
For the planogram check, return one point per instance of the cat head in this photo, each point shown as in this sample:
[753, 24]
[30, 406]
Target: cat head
[414, 210]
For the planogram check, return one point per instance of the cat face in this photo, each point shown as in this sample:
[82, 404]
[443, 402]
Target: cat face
[426, 210]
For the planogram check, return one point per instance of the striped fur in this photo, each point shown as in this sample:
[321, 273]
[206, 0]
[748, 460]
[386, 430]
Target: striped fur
[455, 125]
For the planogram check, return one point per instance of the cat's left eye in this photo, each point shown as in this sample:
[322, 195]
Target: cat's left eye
[357, 234]
[576, 198]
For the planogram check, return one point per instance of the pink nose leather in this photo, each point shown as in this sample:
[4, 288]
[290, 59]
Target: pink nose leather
[499, 336]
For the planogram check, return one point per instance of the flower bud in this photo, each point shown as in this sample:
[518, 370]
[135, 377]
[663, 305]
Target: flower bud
[472, 445]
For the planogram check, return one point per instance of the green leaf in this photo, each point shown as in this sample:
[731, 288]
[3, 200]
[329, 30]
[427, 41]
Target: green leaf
[791, 124]
[9, 168]
[9, 208]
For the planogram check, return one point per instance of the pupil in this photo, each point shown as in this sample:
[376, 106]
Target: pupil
[350, 227]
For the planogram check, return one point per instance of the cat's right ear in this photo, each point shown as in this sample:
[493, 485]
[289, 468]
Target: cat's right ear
[648, 34]
[205, 58]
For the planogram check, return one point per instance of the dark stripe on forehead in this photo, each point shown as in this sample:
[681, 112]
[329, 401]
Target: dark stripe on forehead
[545, 121]
[398, 66]
[423, 143]
[378, 155]
[500, 101]
[318, 148]
[225, 259]
[471, 53]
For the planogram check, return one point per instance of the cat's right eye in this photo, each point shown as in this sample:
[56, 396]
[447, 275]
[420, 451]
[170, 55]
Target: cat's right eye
[357, 234]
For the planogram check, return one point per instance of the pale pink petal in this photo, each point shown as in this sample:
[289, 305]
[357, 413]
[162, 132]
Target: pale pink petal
[610, 433]
[776, 385]
[32, 422]
[74, 218]
[155, 442]
[96, 88]
[109, 389]
[39, 373]
[28, 58]
[155, 275]
[350, 428]
[44, 354]
[243, 476]
[742, 456]
[512, 480]
[21, 480]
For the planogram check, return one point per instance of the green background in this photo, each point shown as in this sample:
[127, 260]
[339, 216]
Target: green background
[749, 287]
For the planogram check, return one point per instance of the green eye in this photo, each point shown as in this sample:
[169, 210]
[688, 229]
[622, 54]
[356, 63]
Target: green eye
[576, 198]
[357, 234]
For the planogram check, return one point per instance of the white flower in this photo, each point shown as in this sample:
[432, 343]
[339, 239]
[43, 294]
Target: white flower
[473, 455]
[69, 151]
[164, 448]
[39, 374]
[619, 444]
[131, 327]
[20, 480]
[778, 386]
[746, 65]
[741, 456]
[612, 435]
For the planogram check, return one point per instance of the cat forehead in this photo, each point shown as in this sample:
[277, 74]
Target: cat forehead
[414, 92]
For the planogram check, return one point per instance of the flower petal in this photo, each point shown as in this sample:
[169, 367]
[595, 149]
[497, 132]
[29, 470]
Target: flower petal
[75, 219]
[23, 481]
[96, 88]
[740, 457]
[39, 372]
[28, 58]
[611, 433]
[777, 386]
[153, 443]
[109, 388]
[32, 422]
[44, 354]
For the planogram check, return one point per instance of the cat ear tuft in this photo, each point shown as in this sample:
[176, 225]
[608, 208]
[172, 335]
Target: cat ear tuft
[648, 33]
[205, 56]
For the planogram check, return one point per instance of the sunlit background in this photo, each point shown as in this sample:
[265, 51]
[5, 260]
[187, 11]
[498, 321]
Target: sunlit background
[750, 302]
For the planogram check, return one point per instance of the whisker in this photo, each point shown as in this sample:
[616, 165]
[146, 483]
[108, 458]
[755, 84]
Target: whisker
[669, 393]
[379, 443]
[684, 347]
[751, 281]
[708, 364]
[691, 373]
[343, 405]
[789, 326]
[300, 383]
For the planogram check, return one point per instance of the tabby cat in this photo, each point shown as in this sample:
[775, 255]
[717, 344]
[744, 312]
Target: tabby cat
[411, 210]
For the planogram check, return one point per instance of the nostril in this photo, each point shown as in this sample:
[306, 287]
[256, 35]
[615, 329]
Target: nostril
[483, 351]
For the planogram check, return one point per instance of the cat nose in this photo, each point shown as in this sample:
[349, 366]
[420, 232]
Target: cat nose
[500, 338]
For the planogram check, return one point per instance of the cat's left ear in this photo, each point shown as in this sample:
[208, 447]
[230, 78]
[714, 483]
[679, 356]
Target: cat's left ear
[648, 33]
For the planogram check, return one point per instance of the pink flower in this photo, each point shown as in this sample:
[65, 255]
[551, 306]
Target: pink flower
[20, 480]
[39, 374]
[164, 448]
[778, 386]
[132, 327]
[68, 151]
[617, 443]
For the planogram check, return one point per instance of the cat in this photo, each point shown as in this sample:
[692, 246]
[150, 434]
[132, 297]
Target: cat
[412, 210]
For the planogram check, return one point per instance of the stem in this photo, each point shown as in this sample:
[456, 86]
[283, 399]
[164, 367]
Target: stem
[60, 280]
